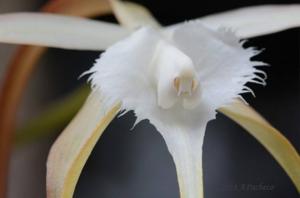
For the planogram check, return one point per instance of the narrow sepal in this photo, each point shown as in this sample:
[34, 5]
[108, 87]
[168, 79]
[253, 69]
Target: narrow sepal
[73, 147]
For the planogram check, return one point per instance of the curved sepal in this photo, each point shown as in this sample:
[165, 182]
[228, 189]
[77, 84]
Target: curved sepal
[73, 147]
[256, 20]
[280, 147]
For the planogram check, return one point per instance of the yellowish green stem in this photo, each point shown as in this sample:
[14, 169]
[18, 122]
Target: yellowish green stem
[56, 116]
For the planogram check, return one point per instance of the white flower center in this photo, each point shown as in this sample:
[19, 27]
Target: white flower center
[176, 78]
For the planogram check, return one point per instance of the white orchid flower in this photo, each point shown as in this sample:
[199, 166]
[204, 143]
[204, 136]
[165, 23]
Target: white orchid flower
[176, 77]
[177, 82]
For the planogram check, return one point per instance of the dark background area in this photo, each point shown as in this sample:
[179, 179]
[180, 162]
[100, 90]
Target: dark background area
[136, 164]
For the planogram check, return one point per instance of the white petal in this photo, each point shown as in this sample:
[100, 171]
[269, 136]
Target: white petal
[256, 20]
[185, 146]
[58, 31]
[222, 64]
[123, 70]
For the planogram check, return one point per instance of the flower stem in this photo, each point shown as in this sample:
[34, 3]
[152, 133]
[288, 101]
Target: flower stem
[55, 116]
[10, 94]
